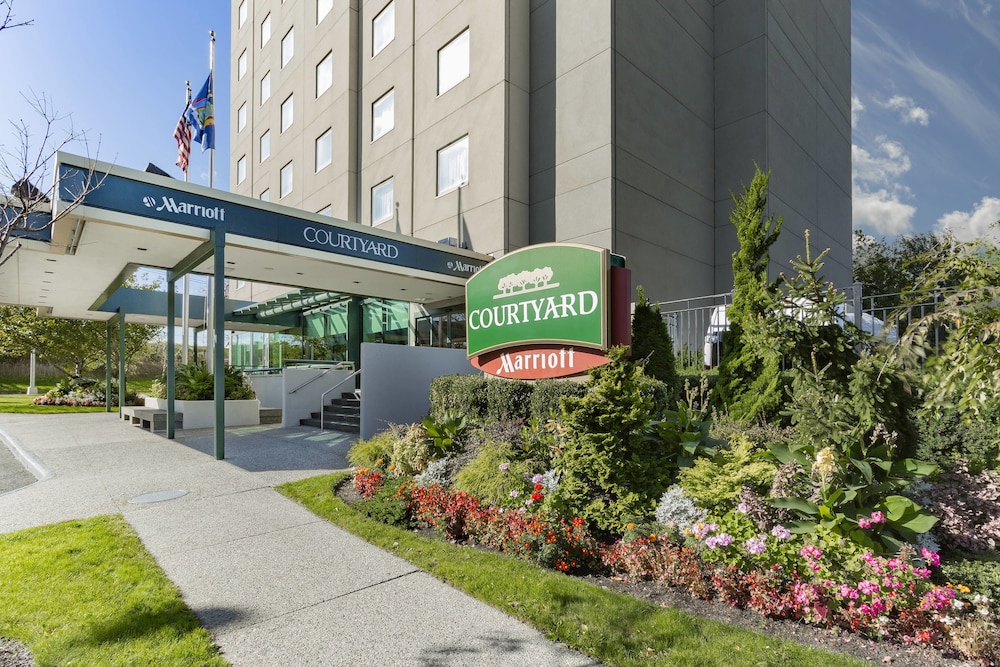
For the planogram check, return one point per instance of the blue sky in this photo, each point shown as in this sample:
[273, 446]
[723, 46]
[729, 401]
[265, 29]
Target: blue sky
[926, 96]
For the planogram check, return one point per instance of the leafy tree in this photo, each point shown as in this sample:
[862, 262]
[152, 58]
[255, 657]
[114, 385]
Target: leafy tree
[652, 345]
[74, 346]
[887, 269]
[749, 384]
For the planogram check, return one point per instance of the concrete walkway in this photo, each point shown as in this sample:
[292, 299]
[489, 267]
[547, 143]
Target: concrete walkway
[272, 582]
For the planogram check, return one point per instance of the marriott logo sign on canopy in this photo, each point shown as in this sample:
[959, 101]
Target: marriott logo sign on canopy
[549, 296]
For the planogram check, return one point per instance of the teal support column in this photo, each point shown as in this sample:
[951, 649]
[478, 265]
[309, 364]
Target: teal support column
[121, 361]
[216, 329]
[355, 330]
[107, 368]
[171, 307]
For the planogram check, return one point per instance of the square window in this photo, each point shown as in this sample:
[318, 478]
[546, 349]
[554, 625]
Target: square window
[324, 74]
[453, 166]
[265, 88]
[285, 181]
[382, 115]
[287, 46]
[241, 117]
[243, 13]
[265, 195]
[382, 202]
[453, 62]
[383, 28]
[241, 67]
[324, 149]
[265, 145]
[241, 169]
[323, 8]
[265, 31]
[287, 110]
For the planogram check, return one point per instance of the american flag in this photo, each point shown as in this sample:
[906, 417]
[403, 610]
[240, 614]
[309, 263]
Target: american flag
[182, 134]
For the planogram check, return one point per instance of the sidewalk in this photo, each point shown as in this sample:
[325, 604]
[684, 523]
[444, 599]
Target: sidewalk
[272, 582]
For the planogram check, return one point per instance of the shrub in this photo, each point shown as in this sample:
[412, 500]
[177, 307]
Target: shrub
[387, 506]
[193, 382]
[677, 511]
[967, 505]
[716, 483]
[374, 452]
[495, 477]
[546, 398]
[609, 470]
[664, 397]
[507, 400]
[980, 576]
[461, 394]
[411, 450]
[565, 545]
[949, 438]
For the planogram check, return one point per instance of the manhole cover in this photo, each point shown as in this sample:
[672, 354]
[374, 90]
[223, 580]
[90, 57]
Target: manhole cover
[158, 496]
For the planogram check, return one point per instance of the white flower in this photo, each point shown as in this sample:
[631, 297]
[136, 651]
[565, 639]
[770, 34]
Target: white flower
[957, 604]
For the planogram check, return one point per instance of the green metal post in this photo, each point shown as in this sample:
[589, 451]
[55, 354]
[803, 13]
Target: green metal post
[217, 330]
[121, 360]
[107, 367]
[171, 306]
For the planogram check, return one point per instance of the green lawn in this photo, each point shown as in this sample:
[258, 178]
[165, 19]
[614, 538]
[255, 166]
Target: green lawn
[87, 593]
[21, 403]
[616, 629]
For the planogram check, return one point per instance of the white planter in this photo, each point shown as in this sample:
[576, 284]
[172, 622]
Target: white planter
[201, 414]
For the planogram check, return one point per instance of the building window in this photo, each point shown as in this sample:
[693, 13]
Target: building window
[382, 115]
[241, 169]
[383, 28]
[323, 8]
[324, 74]
[265, 88]
[324, 149]
[265, 31]
[285, 182]
[241, 117]
[453, 62]
[382, 202]
[266, 195]
[241, 67]
[287, 46]
[243, 13]
[287, 110]
[265, 145]
[326, 210]
[453, 165]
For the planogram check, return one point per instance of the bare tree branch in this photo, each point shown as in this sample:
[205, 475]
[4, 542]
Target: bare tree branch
[7, 11]
[26, 168]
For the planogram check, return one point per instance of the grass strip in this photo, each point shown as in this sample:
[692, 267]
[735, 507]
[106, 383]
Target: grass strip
[88, 593]
[616, 629]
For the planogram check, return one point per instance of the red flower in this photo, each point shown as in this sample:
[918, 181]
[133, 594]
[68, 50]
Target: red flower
[536, 496]
[538, 487]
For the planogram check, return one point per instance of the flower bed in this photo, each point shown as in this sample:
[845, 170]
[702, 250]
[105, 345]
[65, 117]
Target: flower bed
[885, 598]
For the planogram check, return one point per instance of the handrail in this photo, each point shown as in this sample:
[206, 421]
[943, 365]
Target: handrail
[322, 399]
[341, 366]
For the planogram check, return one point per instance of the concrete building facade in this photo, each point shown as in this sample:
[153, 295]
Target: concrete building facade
[495, 124]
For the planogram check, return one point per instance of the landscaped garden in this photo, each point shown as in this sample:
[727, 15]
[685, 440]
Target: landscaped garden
[827, 477]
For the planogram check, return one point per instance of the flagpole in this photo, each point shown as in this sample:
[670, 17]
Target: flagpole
[185, 300]
[210, 341]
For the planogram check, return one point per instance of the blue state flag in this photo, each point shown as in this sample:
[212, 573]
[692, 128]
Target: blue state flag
[201, 113]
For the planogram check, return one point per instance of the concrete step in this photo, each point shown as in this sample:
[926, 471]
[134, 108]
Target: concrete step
[270, 415]
[344, 427]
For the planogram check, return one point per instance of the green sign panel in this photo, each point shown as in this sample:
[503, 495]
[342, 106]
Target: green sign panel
[548, 293]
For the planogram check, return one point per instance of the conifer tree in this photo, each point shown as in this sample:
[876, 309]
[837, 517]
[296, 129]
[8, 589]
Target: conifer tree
[749, 384]
[652, 345]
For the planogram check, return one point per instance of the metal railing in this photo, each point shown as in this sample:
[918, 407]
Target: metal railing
[322, 399]
[339, 366]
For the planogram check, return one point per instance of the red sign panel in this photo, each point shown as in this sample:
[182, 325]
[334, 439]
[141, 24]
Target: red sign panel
[535, 362]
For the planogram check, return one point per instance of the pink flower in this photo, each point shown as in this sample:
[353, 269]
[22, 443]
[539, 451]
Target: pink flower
[848, 592]
[781, 533]
[810, 551]
[868, 587]
[504, 467]
[864, 523]
[878, 517]
[755, 545]
[720, 540]
[932, 558]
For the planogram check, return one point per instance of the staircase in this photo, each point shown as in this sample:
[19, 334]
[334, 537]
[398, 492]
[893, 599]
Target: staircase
[342, 414]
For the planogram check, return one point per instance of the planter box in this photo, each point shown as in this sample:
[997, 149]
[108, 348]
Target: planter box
[201, 414]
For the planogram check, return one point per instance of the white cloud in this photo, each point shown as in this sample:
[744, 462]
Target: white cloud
[979, 223]
[908, 110]
[856, 108]
[878, 197]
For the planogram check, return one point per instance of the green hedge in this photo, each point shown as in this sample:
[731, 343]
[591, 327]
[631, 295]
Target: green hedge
[489, 400]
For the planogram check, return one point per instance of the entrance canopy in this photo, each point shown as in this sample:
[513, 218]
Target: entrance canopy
[136, 219]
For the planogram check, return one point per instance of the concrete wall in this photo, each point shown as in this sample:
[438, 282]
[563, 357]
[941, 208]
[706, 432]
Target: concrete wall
[396, 380]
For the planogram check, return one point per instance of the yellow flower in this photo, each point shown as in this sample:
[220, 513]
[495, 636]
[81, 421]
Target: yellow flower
[629, 526]
[825, 463]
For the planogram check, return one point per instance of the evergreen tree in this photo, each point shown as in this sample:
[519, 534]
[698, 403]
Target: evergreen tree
[652, 345]
[749, 384]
